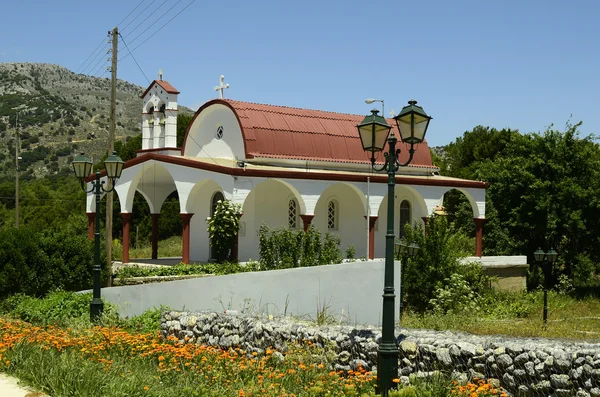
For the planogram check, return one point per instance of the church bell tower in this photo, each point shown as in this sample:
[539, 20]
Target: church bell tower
[159, 115]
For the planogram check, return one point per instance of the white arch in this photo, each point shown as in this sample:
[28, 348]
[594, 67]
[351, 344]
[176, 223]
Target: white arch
[295, 192]
[139, 178]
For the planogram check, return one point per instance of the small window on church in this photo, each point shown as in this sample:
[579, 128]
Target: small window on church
[162, 108]
[332, 215]
[219, 132]
[292, 214]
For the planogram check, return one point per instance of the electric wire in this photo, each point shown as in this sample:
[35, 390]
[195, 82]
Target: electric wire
[143, 19]
[153, 22]
[89, 56]
[131, 12]
[136, 62]
[97, 60]
[159, 29]
[93, 63]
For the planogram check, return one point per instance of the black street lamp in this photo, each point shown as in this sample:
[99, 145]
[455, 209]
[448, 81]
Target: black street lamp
[404, 250]
[546, 259]
[82, 165]
[412, 123]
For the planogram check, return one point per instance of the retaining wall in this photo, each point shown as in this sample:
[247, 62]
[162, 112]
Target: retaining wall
[527, 367]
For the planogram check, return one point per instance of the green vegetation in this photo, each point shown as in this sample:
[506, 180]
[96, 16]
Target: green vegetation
[61, 353]
[285, 248]
[543, 192]
[36, 262]
[517, 314]
[222, 228]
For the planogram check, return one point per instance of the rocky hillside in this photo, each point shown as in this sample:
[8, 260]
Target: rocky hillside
[59, 114]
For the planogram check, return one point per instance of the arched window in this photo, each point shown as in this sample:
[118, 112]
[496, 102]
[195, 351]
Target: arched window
[405, 216]
[162, 108]
[292, 214]
[218, 196]
[332, 215]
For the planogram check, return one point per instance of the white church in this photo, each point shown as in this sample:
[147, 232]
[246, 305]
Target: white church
[286, 167]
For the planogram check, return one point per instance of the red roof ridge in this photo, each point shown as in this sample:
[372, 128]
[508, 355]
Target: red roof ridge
[292, 108]
[165, 86]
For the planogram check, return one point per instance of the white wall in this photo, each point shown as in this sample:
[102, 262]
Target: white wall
[351, 291]
[268, 204]
[351, 217]
[202, 140]
[402, 193]
[199, 203]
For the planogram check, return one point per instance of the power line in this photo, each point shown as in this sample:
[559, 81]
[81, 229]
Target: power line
[153, 22]
[99, 69]
[136, 62]
[89, 56]
[131, 12]
[143, 20]
[159, 29]
[99, 59]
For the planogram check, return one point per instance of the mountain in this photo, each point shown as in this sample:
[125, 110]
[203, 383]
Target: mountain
[60, 113]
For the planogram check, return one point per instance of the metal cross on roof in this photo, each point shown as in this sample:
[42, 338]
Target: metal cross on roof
[160, 74]
[221, 87]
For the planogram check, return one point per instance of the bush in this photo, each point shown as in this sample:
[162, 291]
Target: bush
[439, 256]
[285, 248]
[454, 296]
[35, 263]
[223, 227]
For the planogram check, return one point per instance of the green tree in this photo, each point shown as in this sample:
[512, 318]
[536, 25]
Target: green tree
[183, 121]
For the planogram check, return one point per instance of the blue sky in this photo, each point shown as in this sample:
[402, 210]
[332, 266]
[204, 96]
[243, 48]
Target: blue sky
[518, 64]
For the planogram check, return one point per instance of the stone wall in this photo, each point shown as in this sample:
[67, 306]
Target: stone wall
[528, 367]
[510, 271]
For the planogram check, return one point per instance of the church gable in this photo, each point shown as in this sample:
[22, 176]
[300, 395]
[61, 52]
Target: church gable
[215, 133]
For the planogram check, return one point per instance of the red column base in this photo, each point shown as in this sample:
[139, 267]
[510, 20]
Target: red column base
[91, 218]
[479, 236]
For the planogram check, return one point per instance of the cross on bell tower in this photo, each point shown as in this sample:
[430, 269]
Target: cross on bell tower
[221, 87]
[160, 74]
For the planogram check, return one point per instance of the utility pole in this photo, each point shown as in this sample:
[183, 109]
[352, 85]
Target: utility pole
[17, 170]
[111, 147]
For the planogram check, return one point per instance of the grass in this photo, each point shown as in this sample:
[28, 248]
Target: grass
[63, 354]
[519, 315]
[110, 361]
[170, 247]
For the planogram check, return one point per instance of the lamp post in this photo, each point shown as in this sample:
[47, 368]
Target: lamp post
[412, 123]
[405, 251]
[82, 165]
[546, 259]
[373, 100]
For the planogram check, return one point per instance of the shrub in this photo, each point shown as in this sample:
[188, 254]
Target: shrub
[285, 248]
[439, 256]
[454, 296]
[223, 227]
[35, 263]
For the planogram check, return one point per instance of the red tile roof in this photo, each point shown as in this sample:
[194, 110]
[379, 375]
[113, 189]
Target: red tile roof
[164, 85]
[291, 133]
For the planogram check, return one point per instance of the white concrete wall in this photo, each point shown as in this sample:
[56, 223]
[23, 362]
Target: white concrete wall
[402, 193]
[351, 217]
[199, 203]
[351, 292]
[268, 204]
[202, 140]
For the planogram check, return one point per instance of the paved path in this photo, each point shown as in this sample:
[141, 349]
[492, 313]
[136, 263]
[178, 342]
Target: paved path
[9, 388]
